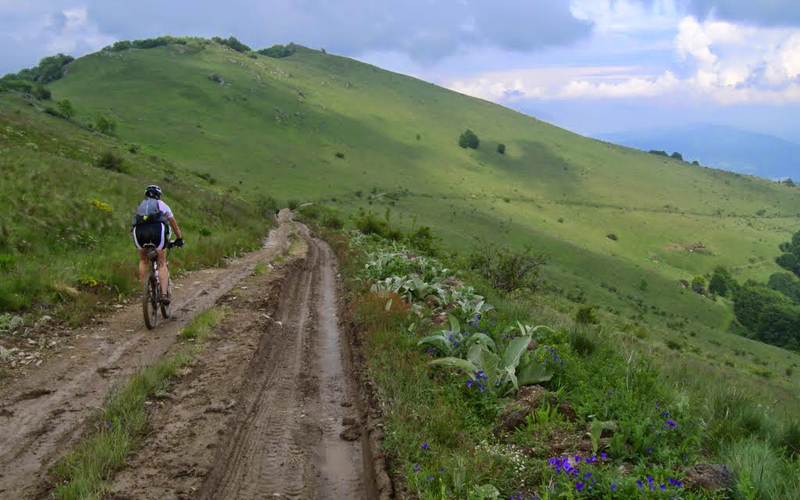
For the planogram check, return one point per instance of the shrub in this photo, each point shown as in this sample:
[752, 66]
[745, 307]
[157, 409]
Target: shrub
[612, 237]
[699, 284]
[658, 153]
[66, 108]
[332, 220]
[696, 163]
[266, 204]
[340, 155]
[42, 93]
[586, 316]
[50, 110]
[501, 148]
[674, 345]
[468, 139]
[293, 204]
[105, 124]
[233, 43]
[506, 269]
[677, 156]
[279, 51]
[110, 161]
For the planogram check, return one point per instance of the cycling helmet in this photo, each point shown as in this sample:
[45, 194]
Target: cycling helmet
[153, 191]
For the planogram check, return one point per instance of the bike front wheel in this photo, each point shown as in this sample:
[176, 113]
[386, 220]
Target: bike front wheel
[166, 310]
[150, 302]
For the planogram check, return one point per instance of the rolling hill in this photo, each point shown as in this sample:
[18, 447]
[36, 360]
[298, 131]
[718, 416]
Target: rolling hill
[322, 128]
[722, 147]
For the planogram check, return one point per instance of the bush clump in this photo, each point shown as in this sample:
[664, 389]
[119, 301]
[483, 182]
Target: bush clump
[278, 51]
[105, 124]
[468, 139]
[612, 237]
[110, 161]
[501, 148]
[506, 269]
[232, 43]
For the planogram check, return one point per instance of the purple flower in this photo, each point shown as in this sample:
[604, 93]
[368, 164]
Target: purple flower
[579, 486]
[671, 424]
[431, 352]
[441, 470]
[613, 487]
[577, 458]
[649, 450]
[650, 479]
[663, 487]
[603, 456]
[430, 478]
[455, 344]
[469, 383]
[639, 484]
[424, 446]
[416, 468]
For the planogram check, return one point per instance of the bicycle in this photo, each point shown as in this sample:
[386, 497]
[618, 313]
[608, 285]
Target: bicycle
[151, 293]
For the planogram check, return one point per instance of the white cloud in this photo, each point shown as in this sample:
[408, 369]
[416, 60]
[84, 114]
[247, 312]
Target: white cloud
[719, 61]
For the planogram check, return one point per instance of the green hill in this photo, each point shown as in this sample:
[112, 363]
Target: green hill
[276, 125]
[317, 127]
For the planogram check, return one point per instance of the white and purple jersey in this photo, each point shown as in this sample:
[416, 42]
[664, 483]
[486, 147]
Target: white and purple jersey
[144, 207]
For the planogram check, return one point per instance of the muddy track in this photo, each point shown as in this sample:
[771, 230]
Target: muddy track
[42, 414]
[297, 431]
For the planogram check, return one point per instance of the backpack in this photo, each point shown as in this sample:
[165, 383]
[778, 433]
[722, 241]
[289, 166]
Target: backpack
[148, 213]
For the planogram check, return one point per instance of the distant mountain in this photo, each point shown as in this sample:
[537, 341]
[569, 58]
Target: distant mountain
[721, 147]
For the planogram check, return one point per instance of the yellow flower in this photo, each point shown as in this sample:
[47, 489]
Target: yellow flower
[100, 205]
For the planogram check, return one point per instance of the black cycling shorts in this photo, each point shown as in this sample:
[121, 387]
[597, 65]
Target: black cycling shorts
[155, 233]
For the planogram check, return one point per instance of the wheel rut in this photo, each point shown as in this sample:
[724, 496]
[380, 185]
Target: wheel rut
[295, 433]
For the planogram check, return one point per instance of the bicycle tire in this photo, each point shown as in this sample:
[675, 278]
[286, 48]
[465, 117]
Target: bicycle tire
[150, 302]
[166, 310]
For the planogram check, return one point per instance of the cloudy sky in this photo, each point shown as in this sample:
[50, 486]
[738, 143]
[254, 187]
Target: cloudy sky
[593, 66]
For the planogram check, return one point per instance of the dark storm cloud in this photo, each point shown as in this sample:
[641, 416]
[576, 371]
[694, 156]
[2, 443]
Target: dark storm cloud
[426, 29]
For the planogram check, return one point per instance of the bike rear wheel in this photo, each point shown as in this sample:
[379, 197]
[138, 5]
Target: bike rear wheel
[150, 302]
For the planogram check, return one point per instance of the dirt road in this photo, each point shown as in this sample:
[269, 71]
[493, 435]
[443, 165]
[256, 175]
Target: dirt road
[271, 408]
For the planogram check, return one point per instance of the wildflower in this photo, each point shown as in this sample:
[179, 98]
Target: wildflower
[441, 470]
[663, 487]
[650, 479]
[430, 478]
[588, 475]
[455, 344]
[469, 383]
[639, 484]
[416, 468]
[671, 424]
[603, 456]
[431, 352]
[666, 414]
[577, 458]
[614, 487]
[579, 486]
[424, 446]
[649, 450]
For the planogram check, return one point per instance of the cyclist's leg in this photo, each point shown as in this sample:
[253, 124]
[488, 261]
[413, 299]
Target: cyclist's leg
[163, 271]
[144, 264]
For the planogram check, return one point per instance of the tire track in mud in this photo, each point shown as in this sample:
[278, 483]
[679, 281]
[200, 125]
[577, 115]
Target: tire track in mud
[296, 433]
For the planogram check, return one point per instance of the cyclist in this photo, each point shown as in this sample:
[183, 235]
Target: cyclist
[151, 225]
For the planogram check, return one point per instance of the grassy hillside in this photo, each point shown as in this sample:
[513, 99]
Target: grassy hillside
[317, 127]
[276, 125]
[65, 227]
